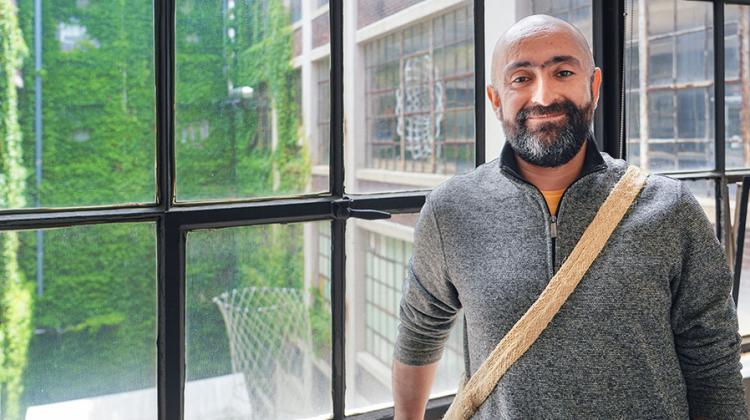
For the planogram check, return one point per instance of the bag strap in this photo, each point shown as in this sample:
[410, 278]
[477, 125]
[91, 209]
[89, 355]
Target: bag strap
[523, 334]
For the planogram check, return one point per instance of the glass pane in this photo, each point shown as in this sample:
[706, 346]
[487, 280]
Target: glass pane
[691, 56]
[378, 254]
[692, 15]
[251, 103]
[411, 122]
[737, 99]
[660, 61]
[81, 323]
[258, 322]
[670, 119]
[577, 12]
[743, 299]
[78, 105]
[661, 16]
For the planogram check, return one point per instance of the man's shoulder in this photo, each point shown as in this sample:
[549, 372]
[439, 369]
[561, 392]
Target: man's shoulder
[660, 190]
[659, 183]
[484, 180]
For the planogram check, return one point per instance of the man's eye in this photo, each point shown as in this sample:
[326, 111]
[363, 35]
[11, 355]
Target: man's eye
[565, 73]
[520, 79]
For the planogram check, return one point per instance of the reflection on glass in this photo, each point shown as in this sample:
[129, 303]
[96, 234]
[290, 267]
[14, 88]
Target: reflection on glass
[77, 104]
[258, 323]
[78, 323]
[669, 85]
[737, 98]
[247, 100]
[379, 257]
[417, 102]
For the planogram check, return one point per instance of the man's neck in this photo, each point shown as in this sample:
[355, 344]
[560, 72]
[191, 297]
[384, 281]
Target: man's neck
[552, 179]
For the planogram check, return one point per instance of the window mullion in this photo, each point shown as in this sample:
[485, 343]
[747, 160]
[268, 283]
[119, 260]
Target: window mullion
[170, 242]
[171, 324]
[719, 123]
[719, 88]
[336, 13]
[479, 83]
[338, 226]
[609, 25]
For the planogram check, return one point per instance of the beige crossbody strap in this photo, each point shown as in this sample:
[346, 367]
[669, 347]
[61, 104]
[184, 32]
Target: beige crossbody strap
[540, 314]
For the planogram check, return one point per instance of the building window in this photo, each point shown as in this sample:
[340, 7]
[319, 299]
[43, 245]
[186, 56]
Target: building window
[264, 125]
[679, 91]
[72, 36]
[420, 97]
[323, 281]
[295, 10]
[323, 111]
[386, 264]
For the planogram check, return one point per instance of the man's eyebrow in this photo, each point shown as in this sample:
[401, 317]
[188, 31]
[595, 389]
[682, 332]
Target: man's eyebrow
[554, 60]
[562, 59]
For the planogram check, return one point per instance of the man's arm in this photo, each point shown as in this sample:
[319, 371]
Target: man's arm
[411, 389]
[704, 321]
[428, 309]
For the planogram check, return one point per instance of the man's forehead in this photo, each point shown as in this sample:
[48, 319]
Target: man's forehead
[528, 48]
[516, 43]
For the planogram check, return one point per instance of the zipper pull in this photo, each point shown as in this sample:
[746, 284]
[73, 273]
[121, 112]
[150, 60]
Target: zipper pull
[553, 227]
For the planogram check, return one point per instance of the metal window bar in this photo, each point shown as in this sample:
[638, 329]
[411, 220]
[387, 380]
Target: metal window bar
[338, 226]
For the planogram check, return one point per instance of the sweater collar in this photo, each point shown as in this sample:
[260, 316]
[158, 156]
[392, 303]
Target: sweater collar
[592, 161]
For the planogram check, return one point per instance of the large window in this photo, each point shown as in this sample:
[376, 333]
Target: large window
[671, 75]
[671, 102]
[419, 102]
[182, 186]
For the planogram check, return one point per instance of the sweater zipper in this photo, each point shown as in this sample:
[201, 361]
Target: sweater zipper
[553, 218]
[553, 234]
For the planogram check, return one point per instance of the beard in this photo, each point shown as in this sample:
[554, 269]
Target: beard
[551, 144]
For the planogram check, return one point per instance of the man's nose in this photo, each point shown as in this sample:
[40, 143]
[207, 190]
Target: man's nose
[543, 93]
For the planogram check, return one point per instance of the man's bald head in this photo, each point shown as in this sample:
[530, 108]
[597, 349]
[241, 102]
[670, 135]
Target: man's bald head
[535, 27]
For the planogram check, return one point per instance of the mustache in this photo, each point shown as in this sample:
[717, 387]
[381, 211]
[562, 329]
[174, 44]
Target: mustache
[564, 107]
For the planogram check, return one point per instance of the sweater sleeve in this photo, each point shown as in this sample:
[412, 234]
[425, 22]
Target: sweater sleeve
[704, 320]
[429, 302]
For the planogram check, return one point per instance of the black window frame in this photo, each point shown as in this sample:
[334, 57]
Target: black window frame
[174, 220]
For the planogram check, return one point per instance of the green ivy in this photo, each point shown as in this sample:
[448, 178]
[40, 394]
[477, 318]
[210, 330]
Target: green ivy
[96, 320]
[15, 293]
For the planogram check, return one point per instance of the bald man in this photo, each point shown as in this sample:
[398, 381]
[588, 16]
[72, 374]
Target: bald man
[651, 329]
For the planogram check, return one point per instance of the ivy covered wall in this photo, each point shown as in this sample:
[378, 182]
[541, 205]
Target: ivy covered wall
[95, 323]
[15, 292]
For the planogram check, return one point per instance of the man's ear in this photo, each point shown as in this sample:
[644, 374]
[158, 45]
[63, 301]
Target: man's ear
[596, 83]
[494, 98]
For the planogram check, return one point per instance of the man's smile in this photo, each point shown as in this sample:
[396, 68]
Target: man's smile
[546, 117]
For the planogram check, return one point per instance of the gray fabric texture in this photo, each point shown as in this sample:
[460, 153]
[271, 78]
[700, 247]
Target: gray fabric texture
[650, 331]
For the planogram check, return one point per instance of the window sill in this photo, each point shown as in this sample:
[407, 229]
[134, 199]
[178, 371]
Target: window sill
[412, 179]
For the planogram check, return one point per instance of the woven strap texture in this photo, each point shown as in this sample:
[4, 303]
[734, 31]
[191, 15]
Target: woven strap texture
[523, 334]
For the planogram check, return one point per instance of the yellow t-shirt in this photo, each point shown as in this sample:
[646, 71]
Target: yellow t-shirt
[553, 199]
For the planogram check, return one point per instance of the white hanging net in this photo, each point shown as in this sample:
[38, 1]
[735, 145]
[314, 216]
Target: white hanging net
[271, 346]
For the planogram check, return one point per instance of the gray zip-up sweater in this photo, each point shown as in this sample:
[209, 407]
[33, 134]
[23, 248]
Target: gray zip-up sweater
[650, 331]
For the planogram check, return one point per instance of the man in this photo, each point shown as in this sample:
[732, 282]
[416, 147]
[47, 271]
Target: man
[650, 331]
